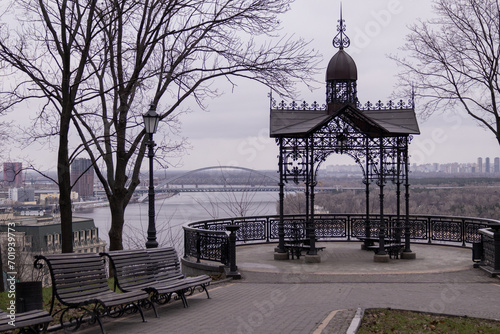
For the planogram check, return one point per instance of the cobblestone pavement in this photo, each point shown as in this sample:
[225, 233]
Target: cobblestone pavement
[294, 297]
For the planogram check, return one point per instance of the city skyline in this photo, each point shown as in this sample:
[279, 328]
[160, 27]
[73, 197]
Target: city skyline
[494, 168]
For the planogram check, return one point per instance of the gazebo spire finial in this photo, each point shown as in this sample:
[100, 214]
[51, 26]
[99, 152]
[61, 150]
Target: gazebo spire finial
[341, 40]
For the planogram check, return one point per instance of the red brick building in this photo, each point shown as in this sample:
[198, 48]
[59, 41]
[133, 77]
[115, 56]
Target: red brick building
[12, 174]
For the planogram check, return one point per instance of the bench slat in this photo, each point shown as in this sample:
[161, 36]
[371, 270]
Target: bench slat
[25, 319]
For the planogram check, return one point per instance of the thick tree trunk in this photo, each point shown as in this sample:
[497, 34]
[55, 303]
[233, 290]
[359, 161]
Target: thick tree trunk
[117, 221]
[65, 198]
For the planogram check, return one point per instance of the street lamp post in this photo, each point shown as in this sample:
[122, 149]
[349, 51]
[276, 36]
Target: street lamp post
[151, 119]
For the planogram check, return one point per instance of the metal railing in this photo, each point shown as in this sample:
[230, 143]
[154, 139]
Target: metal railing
[208, 239]
[205, 244]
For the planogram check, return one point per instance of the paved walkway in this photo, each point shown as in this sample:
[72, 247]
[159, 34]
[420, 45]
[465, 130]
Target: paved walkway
[294, 297]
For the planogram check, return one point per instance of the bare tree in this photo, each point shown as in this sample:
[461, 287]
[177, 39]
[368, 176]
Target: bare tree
[98, 65]
[453, 60]
[45, 47]
[166, 233]
[294, 203]
[169, 53]
[233, 202]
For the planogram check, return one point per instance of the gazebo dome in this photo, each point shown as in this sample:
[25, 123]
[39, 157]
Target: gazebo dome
[341, 67]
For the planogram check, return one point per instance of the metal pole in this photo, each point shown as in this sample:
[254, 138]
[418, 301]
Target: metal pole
[281, 224]
[367, 194]
[312, 224]
[381, 235]
[407, 199]
[151, 243]
[398, 192]
[307, 225]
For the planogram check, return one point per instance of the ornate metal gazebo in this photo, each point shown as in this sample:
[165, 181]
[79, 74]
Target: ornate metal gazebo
[376, 135]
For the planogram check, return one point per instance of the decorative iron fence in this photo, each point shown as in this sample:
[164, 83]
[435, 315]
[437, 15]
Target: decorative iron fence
[204, 244]
[208, 240]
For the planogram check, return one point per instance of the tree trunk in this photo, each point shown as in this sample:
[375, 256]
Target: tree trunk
[64, 182]
[117, 221]
[65, 203]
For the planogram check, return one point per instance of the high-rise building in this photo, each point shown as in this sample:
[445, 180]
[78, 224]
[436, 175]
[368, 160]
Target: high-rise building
[82, 177]
[22, 194]
[487, 166]
[479, 165]
[13, 174]
[496, 165]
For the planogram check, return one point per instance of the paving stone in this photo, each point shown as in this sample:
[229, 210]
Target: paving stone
[286, 297]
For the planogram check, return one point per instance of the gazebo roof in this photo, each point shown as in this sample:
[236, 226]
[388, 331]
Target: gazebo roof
[296, 123]
[395, 121]
[374, 123]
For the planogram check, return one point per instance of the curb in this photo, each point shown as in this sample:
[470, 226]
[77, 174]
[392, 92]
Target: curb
[356, 322]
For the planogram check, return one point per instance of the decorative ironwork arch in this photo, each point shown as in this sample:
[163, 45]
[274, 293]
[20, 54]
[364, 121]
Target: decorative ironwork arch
[339, 137]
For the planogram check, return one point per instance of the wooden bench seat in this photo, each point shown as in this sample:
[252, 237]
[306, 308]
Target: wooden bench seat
[392, 249]
[308, 247]
[165, 262]
[296, 249]
[35, 321]
[79, 282]
[156, 271]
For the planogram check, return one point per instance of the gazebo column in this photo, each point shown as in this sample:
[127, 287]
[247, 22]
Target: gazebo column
[307, 193]
[312, 255]
[367, 242]
[407, 253]
[397, 233]
[280, 253]
[381, 255]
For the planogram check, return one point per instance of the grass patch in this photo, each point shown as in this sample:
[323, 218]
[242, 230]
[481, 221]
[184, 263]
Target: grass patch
[399, 321]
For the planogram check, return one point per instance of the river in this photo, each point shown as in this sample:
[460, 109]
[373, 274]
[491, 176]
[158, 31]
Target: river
[173, 212]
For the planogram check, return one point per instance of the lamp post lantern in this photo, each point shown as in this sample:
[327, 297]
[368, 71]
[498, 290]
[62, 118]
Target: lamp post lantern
[151, 119]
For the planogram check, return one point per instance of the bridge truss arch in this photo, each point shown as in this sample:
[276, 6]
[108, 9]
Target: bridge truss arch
[236, 179]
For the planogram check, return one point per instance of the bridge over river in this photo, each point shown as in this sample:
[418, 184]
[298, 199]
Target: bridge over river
[226, 179]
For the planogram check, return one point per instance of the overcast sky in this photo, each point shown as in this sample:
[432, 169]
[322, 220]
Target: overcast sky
[235, 130]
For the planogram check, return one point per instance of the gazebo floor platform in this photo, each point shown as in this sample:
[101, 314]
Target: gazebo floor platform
[345, 262]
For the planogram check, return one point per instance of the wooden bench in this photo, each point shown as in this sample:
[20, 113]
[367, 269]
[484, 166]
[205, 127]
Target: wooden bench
[35, 321]
[156, 271]
[79, 282]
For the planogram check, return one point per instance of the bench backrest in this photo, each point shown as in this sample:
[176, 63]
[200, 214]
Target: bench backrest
[74, 275]
[131, 268]
[164, 263]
